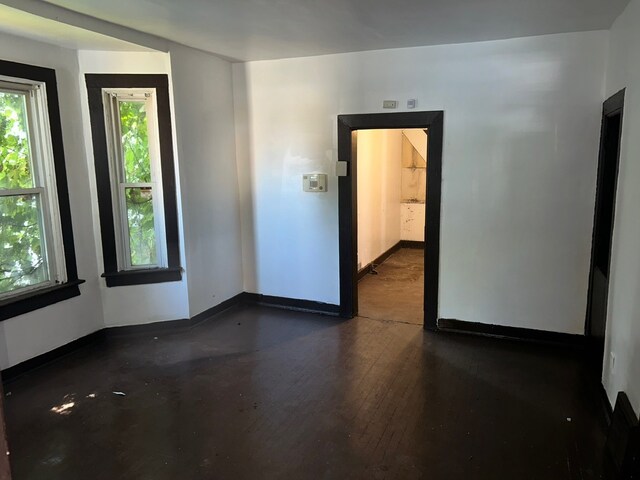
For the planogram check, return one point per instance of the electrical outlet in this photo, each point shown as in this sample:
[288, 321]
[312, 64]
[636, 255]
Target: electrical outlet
[390, 104]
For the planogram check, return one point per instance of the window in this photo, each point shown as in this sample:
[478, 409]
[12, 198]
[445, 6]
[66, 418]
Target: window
[135, 177]
[131, 127]
[36, 241]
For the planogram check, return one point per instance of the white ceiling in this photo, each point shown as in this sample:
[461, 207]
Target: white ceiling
[17, 22]
[267, 29]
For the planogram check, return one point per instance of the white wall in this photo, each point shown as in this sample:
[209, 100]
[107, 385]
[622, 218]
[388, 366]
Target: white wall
[205, 153]
[130, 305]
[623, 321]
[412, 221]
[37, 332]
[414, 184]
[520, 149]
[379, 167]
[204, 112]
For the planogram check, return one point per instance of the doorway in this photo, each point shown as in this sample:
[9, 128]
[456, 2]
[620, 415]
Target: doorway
[392, 186]
[348, 127]
[606, 186]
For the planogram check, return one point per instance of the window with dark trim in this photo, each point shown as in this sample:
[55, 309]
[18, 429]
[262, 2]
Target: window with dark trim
[37, 254]
[133, 154]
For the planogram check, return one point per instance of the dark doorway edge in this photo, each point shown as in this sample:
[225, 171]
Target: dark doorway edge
[612, 106]
[348, 125]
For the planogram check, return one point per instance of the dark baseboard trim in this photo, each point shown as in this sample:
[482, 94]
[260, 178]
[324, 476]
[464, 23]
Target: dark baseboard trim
[291, 304]
[607, 409]
[167, 327]
[12, 373]
[156, 328]
[412, 244]
[515, 333]
[221, 307]
[378, 260]
[621, 459]
[173, 326]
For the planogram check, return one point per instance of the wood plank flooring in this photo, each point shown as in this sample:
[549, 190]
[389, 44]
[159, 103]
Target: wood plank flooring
[260, 393]
[396, 292]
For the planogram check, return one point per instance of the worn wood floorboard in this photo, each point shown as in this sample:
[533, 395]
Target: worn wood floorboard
[260, 393]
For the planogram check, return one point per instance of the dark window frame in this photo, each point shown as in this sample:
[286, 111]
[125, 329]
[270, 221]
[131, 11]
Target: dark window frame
[160, 82]
[39, 298]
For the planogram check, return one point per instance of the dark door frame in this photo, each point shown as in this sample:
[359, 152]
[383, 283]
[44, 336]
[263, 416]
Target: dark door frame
[611, 107]
[348, 126]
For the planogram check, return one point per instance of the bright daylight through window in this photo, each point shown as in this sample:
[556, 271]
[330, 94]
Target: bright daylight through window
[136, 178]
[31, 251]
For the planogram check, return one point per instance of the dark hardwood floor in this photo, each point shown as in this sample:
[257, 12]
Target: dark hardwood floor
[260, 393]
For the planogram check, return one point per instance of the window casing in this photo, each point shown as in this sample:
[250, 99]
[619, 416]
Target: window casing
[135, 178]
[37, 258]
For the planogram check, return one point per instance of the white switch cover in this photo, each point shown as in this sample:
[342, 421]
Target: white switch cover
[314, 182]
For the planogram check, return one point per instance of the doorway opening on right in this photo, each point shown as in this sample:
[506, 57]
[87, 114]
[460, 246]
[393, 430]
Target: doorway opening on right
[603, 222]
[391, 201]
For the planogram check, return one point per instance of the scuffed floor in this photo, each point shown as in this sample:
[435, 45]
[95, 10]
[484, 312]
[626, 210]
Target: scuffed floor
[396, 293]
[259, 393]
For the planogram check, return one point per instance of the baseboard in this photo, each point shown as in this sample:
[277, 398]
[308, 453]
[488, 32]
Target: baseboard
[412, 244]
[291, 304]
[514, 333]
[173, 326]
[378, 260]
[607, 409]
[12, 373]
[156, 328]
[170, 326]
[221, 307]
[622, 448]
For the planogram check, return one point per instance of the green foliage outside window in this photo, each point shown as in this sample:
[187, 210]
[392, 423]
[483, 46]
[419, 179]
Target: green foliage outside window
[22, 259]
[137, 169]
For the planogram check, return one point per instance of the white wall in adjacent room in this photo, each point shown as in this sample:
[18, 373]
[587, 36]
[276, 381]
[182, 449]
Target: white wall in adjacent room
[412, 222]
[379, 169]
[623, 319]
[521, 128]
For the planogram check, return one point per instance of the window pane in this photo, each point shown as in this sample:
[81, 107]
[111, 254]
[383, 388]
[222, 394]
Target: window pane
[135, 142]
[15, 157]
[142, 233]
[22, 252]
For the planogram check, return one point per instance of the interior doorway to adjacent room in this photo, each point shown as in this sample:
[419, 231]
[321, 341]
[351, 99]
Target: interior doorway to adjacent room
[392, 189]
[355, 260]
[606, 187]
